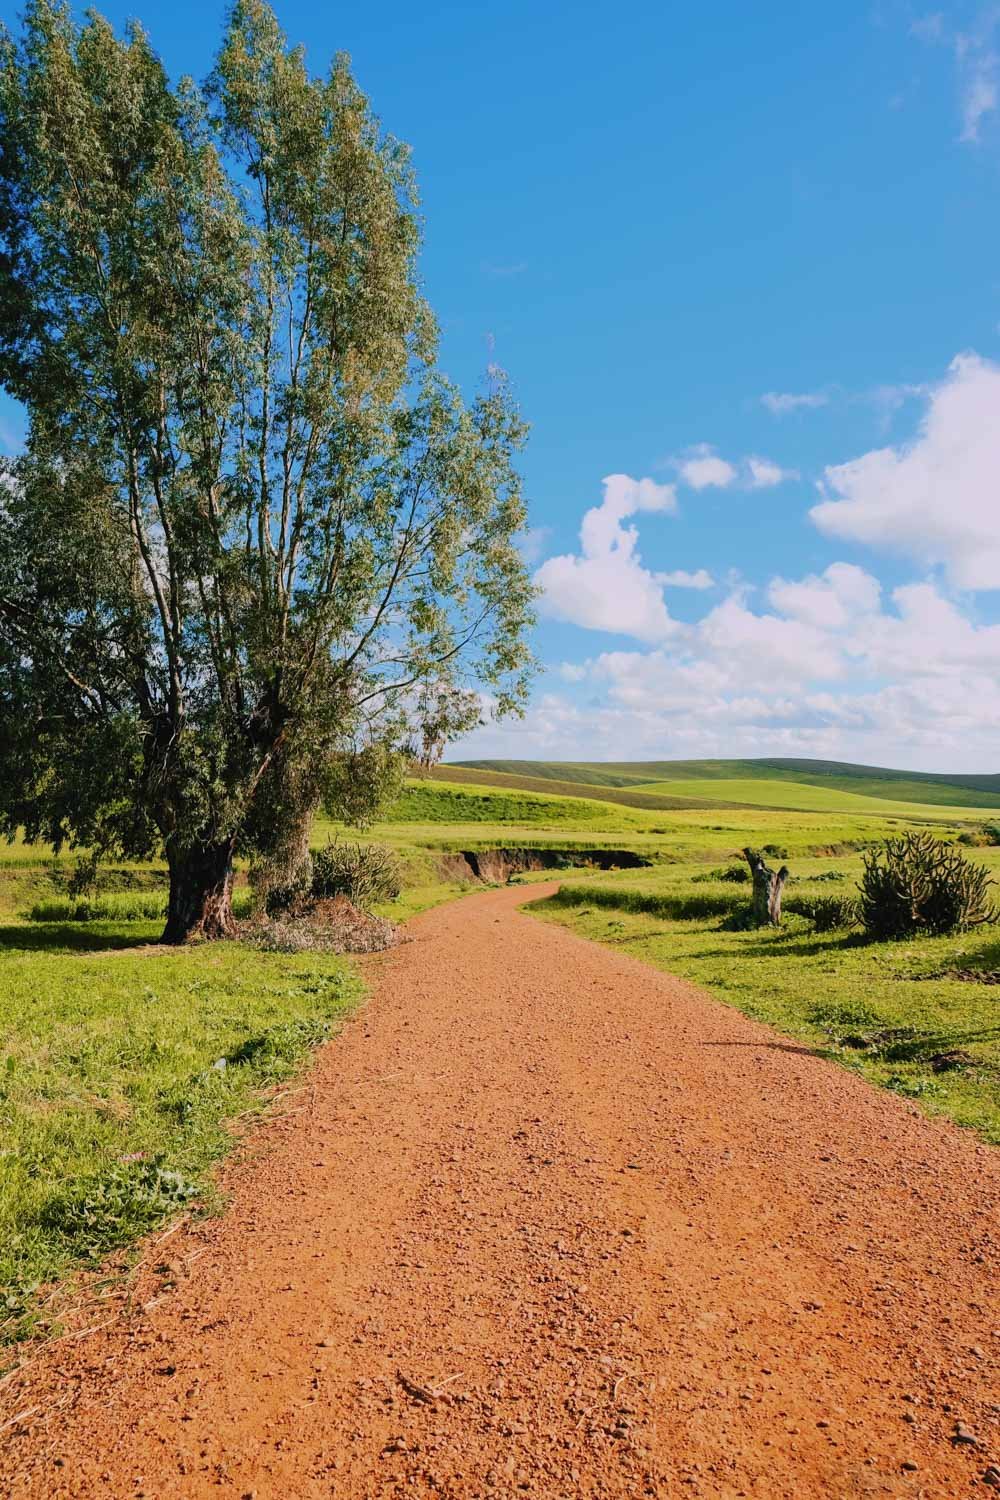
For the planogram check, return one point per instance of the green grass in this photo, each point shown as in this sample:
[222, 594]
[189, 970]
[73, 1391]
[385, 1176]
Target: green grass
[817, 796]
[120, 1075]
[826, 989]
[958, 791]
[438, 802]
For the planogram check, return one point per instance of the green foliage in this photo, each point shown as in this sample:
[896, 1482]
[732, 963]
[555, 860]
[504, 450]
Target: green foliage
[254, 531]
[683, 906]
[917, 882]
[113, 906]
[364, 873]
[827, 913]
[98, 1214]
[738, 874]
[131, 906]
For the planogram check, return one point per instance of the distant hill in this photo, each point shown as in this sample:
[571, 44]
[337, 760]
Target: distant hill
[669, 777]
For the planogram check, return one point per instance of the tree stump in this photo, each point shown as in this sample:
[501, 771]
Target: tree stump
[767, 888]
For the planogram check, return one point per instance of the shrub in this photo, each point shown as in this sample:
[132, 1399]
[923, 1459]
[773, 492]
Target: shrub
[826, 912]
[775, 851]
[364, 873]
[919, 883]
[736, 873]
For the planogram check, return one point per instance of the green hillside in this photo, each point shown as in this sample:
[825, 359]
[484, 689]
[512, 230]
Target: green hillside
[979, 794]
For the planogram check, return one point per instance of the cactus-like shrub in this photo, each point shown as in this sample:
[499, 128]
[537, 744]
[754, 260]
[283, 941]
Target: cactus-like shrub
[918, 883]
[364, 873]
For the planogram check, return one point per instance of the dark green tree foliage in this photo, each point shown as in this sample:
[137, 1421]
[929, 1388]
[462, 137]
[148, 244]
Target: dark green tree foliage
[255, 537]
[918, 883]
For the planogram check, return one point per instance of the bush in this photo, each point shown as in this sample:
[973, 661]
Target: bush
[826, 913]
[775, 851]
[364, 873]
[918, 883]
[736, 873]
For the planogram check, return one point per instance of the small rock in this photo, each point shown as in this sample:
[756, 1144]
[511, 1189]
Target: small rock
[992, 1477]
[963, 1435]
[909, 1465]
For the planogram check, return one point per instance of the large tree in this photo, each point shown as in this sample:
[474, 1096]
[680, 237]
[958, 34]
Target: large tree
[254, 537]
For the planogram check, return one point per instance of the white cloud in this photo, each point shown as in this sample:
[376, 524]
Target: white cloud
[606, 586]
[830, 602]
[936, 499]
[706, 470]
[978, 64]
[781, 403]
[829, 667]
[765, 473]
[979, 96]
[703, 468]
[680, 579]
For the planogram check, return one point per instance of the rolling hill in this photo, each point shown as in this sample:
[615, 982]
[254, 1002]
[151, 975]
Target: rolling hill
[793, 784]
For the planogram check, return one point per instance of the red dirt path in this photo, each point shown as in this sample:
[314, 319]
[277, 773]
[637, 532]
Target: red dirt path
[548, 1223]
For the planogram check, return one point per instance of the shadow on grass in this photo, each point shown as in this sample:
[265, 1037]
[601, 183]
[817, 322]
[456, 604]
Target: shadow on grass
[791, 945]
[926, 1045]
[75, 937]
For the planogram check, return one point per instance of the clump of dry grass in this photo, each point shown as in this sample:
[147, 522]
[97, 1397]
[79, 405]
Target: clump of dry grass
[330, 925]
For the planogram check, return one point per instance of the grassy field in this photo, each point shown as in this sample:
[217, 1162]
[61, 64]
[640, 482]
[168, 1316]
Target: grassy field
[958, 791]
[820, 796]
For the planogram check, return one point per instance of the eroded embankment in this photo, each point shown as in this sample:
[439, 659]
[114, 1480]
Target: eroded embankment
[497, 865]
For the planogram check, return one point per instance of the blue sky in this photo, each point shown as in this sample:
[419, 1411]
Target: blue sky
[747, 254]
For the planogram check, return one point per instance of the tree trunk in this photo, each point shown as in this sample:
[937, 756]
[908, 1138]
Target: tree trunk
[767, 888]
[201, 894]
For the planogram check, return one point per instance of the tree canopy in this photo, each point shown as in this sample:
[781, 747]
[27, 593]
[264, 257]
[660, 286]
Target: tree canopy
[255, 536]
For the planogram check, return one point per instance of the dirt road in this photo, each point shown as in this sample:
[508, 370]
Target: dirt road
[548, 1223]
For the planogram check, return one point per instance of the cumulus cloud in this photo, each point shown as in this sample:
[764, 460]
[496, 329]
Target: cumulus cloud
[706, 470]
[781, 403]
[703, 468]
[606, 586]
[764, 473]
[831, 601]
[680, 579]
[827, 665]
[936, 498]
